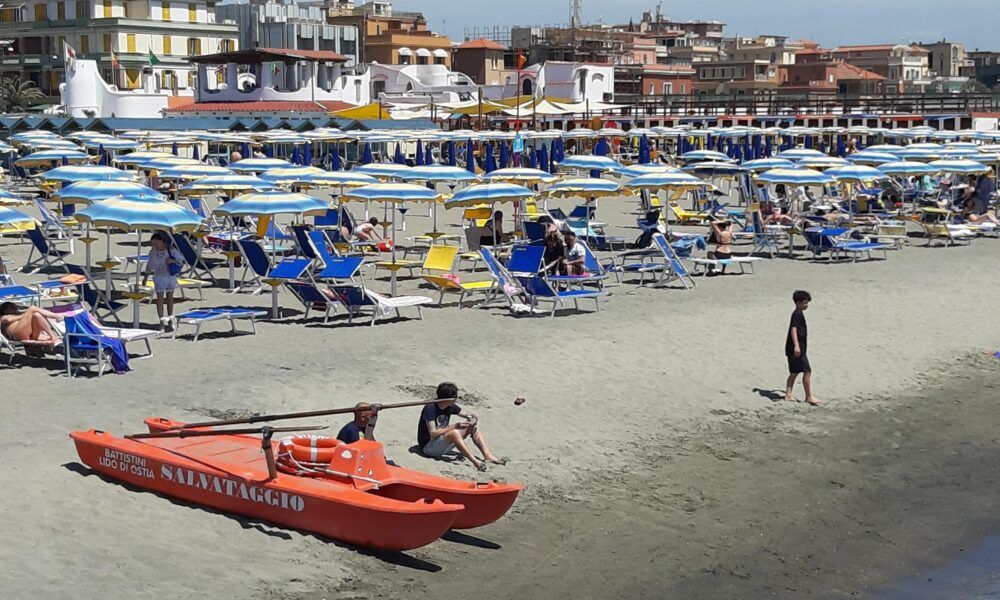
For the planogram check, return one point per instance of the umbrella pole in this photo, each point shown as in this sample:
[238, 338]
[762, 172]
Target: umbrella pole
[107, 270]
[392, 275]
[138, 268]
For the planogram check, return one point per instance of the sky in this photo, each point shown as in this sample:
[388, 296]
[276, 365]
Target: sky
[830, 22]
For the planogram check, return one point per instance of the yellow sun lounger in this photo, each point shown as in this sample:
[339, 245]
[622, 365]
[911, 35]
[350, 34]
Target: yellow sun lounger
[685, 216]
[447, 285]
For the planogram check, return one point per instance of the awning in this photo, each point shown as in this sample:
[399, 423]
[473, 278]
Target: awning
[423, 52]
[369, 111]
[441, 53]
[404, 51]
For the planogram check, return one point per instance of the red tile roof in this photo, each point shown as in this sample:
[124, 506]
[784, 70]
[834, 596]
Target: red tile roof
[481, 44]
[263, 106]
[875, 47]
[849, 71]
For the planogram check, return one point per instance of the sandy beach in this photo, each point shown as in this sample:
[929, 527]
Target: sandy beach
[656, 459]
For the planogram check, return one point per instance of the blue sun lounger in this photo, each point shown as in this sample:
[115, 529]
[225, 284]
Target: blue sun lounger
[201, 316]
[312, 298]
[537, 289]
[822, 240]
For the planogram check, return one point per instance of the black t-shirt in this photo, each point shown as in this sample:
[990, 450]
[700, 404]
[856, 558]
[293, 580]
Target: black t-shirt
[350, 433]
[440, 416]
[798, 322]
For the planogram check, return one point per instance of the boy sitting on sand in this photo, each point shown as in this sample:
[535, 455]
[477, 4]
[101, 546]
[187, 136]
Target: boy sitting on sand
[436, 436]
[795, 349]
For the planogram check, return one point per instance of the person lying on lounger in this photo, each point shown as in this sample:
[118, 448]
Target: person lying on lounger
[29, 325]
[437, 436]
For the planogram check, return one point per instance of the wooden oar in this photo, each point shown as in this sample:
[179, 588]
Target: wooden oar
[184, 433]
[301, 415]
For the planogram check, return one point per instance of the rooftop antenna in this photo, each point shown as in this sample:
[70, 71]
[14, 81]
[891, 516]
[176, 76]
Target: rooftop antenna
[575, 13]
[659, 5]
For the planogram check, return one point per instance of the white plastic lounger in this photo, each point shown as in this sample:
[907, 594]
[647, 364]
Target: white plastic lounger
[744, 262]
[208, 315]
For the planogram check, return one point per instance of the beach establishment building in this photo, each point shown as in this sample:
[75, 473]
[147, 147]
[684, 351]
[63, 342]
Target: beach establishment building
[830, 77]
[159, 34]
[560, 81]
[420, 84]
[303, 83]
[481, 59]
[730, 78]
[905, 67]
[292, 25]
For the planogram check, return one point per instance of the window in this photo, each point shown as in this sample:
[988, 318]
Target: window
[132, 78]
[84, 44]
[194, 47]
[439, 60]
[107, 9]
[652, 89]
[167, 45]
[82, 9]
[164, 11]
[130, 42]
[54, 77]
[107, 42]
[227, 45]
[60, 10]
[41, 12]
[668, 89]
[192, 13]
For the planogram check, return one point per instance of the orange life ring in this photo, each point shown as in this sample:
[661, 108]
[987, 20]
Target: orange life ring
[309, 448]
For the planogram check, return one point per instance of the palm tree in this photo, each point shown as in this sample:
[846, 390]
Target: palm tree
[17, 95]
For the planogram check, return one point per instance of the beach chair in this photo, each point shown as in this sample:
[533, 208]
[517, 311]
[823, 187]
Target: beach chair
[257, 264]
[937, 223]
[302, 241]
[673, 268]
[596, 272]
[358, 300]
[439, 260]
[53, 223]
[94, 297]
[125, 335]
[685, 216]
[538, 289]
[820, 241]
[535, 232]
[765, 238]
[341, 269]
[195, 261]
[504, 282]
[48, 254]
[200, 317]
[891, 230]
[312, 298]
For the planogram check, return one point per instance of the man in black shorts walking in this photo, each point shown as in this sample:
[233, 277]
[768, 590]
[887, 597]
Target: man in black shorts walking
[795, 349]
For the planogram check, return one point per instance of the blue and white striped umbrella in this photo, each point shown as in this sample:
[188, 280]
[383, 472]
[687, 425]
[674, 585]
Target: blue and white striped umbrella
[766, 164]
[289, 175]
[339, 179]
[435, 173]
[823, 162]
[6, 148]
[871, 157]
[958, 152]
[800, 153]
[590, 162]
[960, 166]
[9, 198]
[855, 173]
[193, 172]
[890, 148]
[46, 157]
[580, 133]
[710, 168]
[633, 171]
[392, 192]
[215, 184]
[489, 193]
[141, 157]
[9, 216]
[25, 136]
[163, 164]
[85, 173]
[88, 192]
[258, 165]
[51, 144]
[669, 181]
[903, 168]
[382, 170]
[795, 177]
[520, 174]
[913, 153]
[135, 213]
[584, 187]
[701, 155]
[111, 144]
[272, 203]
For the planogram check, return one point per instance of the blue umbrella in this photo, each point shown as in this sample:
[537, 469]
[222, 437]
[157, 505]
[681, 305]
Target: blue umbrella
[95, 190]
[906, 168]
[590, 162]
[490, 164]
[766, 164]
[428, 156]
[296, 159]
[399, 159]
[104, 157]
[470, 159]
[452, 162]
[747, 150]
[758, 152]
[644, 150]
[268, 152]
[709, 140]
[696, 155]
[801, 177]
[307, 155]
[196, 154]
[85, 173]
[543, 158]
[489, 193]
[272, 203]
[173, 149]
[420, 153]
[366, 155]
[738, 153]
[504, 157]
[729, 148]
[532, 158]
[767, 147]
[136, 213]
[9, 216]
[245, 150]
[335, 163]
[602, 148]
[841, 150]
[552, 163]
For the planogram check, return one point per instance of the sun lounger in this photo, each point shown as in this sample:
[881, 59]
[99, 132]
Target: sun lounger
[821, 240]
[19, 293]
[200, 317]
[48, 254]
[673, 267]
[95, 298]
[195, 261]
[743, 262]
[358, 299]
[125, 335]
[312, 298]
[537, 289]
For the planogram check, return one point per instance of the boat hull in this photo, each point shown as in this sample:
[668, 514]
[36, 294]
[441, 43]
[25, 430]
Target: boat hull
[224, 477]
[483, 503]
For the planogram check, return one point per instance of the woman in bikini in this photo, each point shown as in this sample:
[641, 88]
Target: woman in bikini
[28, 325]
[722, 237]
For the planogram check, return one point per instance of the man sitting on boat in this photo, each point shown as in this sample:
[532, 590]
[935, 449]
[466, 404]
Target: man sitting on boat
[436, 436]
[358, 428]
